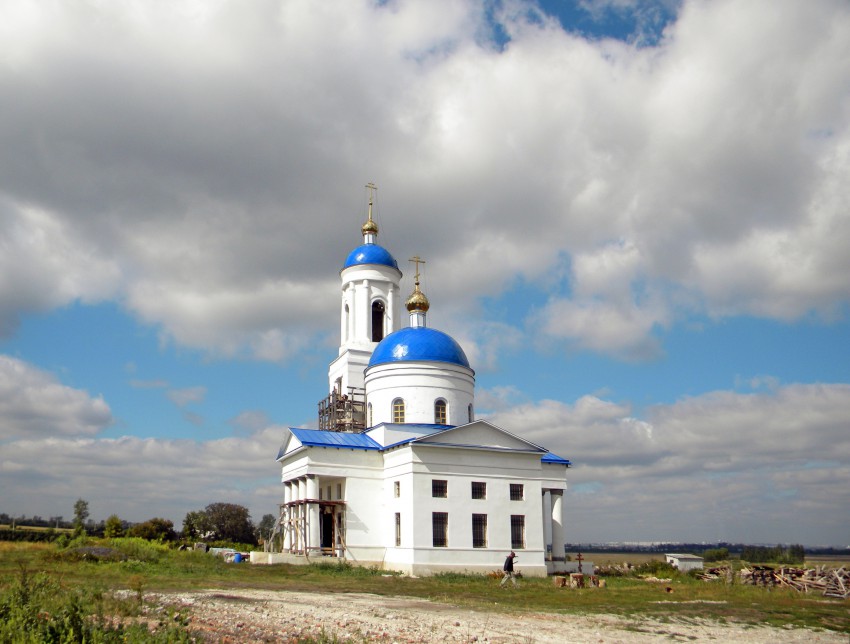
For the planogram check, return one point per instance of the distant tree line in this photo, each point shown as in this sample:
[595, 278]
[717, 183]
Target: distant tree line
[795, 553]
[777, 554]
[217, 522]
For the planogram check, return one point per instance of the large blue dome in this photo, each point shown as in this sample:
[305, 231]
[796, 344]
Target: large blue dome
[370, 254]
[413, 344]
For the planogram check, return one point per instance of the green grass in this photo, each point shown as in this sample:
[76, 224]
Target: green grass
[151, 567]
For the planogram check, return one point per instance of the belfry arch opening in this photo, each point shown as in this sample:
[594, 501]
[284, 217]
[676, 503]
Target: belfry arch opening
[378, 311]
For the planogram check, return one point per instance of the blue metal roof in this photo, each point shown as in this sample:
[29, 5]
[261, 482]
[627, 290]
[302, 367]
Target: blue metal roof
[321, 438]
[370, 254]
[414, 344]
[554, 458]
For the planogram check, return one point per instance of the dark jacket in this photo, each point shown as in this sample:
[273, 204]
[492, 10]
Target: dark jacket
[509, 564]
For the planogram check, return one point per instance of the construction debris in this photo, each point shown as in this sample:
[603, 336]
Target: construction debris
[715, 574]
[827, 581]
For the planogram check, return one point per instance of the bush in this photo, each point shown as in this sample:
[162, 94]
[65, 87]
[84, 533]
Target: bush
[36, 608]
[139, 549]
[655, 568]
[27, 535]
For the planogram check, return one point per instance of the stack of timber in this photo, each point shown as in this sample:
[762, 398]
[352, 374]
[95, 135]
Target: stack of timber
[829, 582]
[718, 573]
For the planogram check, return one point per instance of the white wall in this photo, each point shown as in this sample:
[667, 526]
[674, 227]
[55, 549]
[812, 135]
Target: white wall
[420, 384]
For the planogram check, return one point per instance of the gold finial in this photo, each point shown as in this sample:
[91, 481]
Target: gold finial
[370, 227]
[417, 300]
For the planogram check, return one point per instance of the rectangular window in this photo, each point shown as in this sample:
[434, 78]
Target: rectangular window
[479, 530]
[517, 491]
[517, 531]
[440, 528]
[330, 496]
[479, 490]
[439, 489]
[320, 494]
[397, 528]
[339, 491]
[396, 489]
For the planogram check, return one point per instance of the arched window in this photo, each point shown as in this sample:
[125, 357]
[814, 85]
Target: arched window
[398, 410]
[369, 410]
[345, 325]
[471, 414]
[377, 321]
[440, 412]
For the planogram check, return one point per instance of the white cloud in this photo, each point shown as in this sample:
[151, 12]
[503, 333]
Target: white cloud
[33, 404]
[723, 465]
[203, 164]
[140, 478]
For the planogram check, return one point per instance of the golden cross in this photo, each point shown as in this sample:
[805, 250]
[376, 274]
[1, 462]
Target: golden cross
[372, 187]
[417, 260]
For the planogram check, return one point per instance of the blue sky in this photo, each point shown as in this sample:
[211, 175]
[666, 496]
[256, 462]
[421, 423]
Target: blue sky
[634, 216]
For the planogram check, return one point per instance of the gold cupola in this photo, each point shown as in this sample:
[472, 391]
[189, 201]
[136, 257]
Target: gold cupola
[417, 304]
[417, 301]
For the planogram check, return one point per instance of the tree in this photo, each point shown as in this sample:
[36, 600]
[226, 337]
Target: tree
[114, 527]
[81, 514]
[230, 522]
[196, 525]
[796, 553]
[716, 554]
[265, 527]
[155, 529]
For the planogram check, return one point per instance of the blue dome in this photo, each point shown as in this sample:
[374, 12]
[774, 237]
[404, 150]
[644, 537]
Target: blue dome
[370, 254]
[418, 344]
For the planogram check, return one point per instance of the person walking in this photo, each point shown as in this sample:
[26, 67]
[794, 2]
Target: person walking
[508, 569]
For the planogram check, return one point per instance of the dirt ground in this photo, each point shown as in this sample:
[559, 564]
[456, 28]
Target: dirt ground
[279, 616]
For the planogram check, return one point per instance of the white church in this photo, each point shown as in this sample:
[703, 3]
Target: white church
[399, 473]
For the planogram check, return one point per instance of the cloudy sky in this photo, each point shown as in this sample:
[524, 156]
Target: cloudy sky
[635, 217]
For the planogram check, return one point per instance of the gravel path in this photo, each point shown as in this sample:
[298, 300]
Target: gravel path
[279, 616]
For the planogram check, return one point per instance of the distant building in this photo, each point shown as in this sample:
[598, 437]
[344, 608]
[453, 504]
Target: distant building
[400, 474]
[684, 562]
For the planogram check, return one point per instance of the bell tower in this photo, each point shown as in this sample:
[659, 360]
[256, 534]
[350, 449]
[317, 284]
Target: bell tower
[370, 309]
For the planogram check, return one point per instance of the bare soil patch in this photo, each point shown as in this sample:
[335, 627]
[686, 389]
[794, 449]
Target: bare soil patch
[224, 616]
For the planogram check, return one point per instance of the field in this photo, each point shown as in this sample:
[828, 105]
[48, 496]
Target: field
[150, 569]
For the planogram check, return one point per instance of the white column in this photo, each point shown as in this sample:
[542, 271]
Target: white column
[349, 300]
[298, 539]
[558, 525]
[286, 527]
[390, 310]
[361, 312]
[547, 521]
[313, 534]
[343, 322]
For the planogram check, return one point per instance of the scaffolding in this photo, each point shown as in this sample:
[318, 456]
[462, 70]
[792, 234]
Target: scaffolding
[291, 534]
[343, 412]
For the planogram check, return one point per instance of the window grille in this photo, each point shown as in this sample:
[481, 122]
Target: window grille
[398, 528]
[398, 410]
[517, 531]
[479, 530]
[440, 528]
[517, 491]
[479, 490]
[439, 489]
[440, 412]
